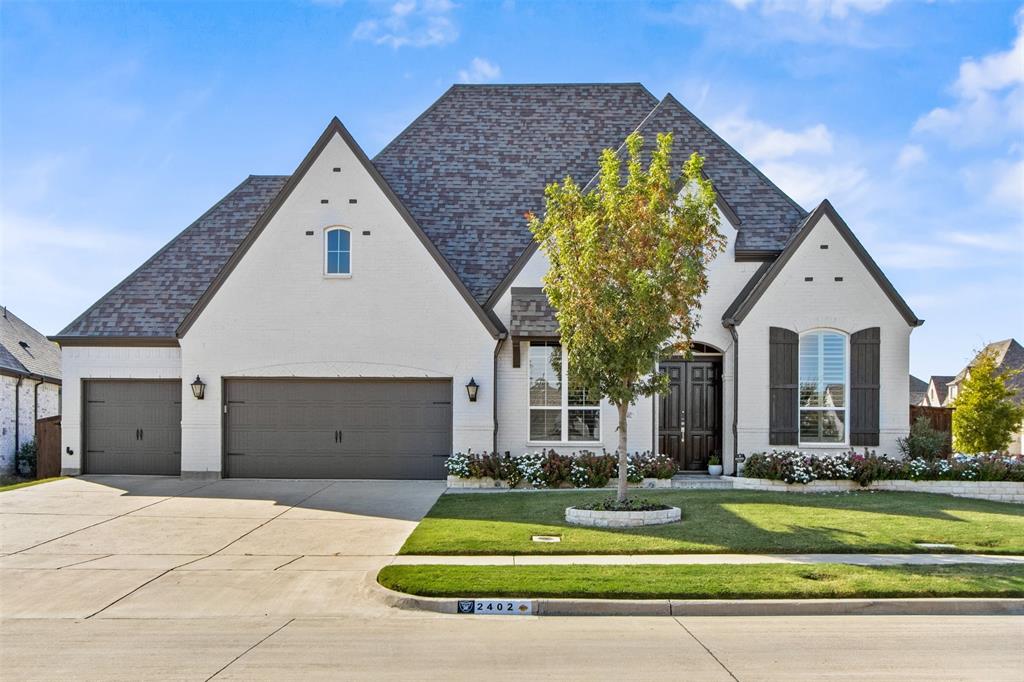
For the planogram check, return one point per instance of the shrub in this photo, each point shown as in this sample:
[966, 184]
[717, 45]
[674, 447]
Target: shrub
[787, 465]
[591, 470]
[25, 460]
[651, 465]
[531, 468]
[557, 469]
[628, 505]
[923, 441]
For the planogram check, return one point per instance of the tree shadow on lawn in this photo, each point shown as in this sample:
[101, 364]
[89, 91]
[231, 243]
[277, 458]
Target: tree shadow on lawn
[723, 521]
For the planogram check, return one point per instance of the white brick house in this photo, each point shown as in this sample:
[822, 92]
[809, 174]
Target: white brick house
[30, 384]
[363, 318]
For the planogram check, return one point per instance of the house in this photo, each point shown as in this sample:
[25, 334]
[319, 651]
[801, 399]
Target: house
[30, 384]
[937, 394]
[363, 318]
[918, 391]
[1009, 355]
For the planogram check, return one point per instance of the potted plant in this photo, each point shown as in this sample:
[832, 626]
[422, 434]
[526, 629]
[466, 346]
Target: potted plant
[715, 465]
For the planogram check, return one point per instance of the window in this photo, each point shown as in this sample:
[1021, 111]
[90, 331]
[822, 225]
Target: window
[338, 251]
[823, 370]
[560, 410]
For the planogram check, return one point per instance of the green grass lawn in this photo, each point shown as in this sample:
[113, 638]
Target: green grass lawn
[10, 483]
[713, 581]
[724, 521]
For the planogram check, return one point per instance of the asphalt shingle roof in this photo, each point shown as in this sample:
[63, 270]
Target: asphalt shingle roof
[480, 157]
[768, 218]
[153, 300]
[532, 314]
[23, 350]
[467, 170]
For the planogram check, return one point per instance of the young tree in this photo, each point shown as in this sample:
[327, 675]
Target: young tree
[628, 268]
[985, 416]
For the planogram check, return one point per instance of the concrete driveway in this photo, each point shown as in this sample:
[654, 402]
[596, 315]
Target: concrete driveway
[146, 547]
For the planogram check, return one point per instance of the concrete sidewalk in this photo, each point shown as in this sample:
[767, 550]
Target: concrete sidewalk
[685, 559]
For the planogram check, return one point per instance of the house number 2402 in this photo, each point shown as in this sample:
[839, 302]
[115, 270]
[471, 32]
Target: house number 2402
[495, 607]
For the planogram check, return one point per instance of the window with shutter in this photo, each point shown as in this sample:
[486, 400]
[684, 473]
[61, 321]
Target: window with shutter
[783, 359]
[823, 403]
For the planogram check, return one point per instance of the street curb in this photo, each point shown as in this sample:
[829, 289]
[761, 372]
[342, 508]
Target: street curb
[729, 607]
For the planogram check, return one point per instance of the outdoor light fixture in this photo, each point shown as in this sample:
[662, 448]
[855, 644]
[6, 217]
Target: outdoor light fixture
[198, 388]
[471, 388]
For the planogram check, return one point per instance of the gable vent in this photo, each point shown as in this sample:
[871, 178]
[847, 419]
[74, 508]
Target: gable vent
[323, 201]
[336, 169]
[352, 201]
[824, 246]
[839, 279]
[808, 279]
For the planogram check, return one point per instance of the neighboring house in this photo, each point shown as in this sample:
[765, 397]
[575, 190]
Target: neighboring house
[918, 391]
[937, 394]
[29, 384]
[1009, 355]
[364, 318]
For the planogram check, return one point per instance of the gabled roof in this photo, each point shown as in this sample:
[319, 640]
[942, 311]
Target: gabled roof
[532, 314]
[335, 127]
[941, 383]
[152, 301]
[26, 352]
[756, 287]
[1008, 355]
[918, 390]
[480, 157]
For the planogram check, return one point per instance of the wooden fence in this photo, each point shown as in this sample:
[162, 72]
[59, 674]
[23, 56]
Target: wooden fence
[941, 419]
[48, 447]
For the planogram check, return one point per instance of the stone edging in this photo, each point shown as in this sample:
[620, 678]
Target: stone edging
[486, 483]
[621, 519]
[999, 491]
[729, 607]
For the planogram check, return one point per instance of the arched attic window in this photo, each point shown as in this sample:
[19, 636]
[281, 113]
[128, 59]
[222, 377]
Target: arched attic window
[337, 251]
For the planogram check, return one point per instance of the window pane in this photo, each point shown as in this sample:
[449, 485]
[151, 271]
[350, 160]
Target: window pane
[545, 376]
[332, 240]
[343, 263]
[584, 425]
[545, 424]
[578, 395]
[823, 370]
[822, 426]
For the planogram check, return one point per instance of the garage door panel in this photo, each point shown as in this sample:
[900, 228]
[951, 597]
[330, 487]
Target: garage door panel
[388, 429]
[133, 427]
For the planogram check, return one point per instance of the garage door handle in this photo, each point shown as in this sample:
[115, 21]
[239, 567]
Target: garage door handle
[341, 436]
[335, 436]
[142, 434]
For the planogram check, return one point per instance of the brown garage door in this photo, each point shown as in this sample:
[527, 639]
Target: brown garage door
[132, 427]
[337, 428]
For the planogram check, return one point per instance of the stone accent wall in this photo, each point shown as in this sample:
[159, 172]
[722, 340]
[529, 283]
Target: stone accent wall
[48, 396]
[999, 491]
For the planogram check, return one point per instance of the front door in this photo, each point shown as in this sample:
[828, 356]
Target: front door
[690, 413]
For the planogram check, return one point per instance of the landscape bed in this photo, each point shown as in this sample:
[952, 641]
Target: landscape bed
[717, 521]
[710, 581]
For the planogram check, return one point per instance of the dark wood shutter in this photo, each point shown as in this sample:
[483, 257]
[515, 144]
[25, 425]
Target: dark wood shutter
[864, 385]
[783, 367]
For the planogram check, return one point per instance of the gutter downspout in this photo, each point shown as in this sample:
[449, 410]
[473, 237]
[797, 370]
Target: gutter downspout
[494, 391]
[17, 419]
[730, 324]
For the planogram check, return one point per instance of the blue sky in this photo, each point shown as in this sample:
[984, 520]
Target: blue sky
[121, 123]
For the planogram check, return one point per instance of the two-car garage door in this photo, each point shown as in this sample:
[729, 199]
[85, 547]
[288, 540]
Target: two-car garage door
[337, 428]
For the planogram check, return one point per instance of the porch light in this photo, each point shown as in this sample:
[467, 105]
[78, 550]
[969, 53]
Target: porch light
[198, 388]
[471, 388]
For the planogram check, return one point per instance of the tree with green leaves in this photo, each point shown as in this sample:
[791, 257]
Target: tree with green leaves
[985, 415]
[628, 267]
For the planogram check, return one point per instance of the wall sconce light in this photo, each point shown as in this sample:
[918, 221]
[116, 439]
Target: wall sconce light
[471, 389]
[198, 388]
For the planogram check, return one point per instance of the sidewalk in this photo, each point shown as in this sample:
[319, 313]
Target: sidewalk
[682, 559]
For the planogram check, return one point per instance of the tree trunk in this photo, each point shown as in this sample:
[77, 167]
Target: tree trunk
[623, 454]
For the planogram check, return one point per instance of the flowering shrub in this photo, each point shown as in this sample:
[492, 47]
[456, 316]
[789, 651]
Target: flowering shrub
[803, 467]
[550, 469]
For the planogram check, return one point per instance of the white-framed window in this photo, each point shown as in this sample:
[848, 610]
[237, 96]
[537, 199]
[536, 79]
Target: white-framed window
[337, 251]
[824, 384]
[560, 411]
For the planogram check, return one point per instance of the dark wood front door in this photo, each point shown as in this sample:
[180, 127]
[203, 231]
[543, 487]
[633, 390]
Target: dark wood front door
[690, 413]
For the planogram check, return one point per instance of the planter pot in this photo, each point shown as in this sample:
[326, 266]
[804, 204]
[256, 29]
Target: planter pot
[715, 469]
[621, 519]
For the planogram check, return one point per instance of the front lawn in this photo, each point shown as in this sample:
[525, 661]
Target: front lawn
[724, 521]
[12, 483]
[709, 581]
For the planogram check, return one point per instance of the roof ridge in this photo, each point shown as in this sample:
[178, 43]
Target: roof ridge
[152, 258]
[670, 97]
[412, 123]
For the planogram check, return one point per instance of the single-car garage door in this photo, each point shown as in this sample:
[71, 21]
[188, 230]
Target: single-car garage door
[338, 428]
[132, 427]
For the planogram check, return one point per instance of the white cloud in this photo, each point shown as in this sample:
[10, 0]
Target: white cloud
[480, 71]
[910, 156]
[989, 102]
[1008, 183]
[409, 23]
[762, 142]
[817, 9]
